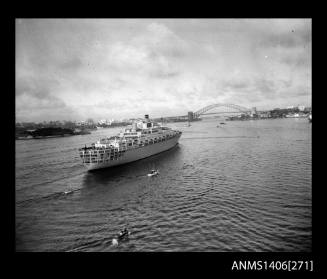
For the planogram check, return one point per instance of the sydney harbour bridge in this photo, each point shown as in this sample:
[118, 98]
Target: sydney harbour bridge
[231, 108]
[227, 109]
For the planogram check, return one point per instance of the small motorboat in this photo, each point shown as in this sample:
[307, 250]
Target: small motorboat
[222, 123]
[68, 192]
[123, 234]
[153, 173]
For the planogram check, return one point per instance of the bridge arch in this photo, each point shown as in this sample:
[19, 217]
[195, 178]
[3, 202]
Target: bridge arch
[207, 108]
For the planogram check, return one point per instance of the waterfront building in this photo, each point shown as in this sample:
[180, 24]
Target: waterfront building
[301, 108]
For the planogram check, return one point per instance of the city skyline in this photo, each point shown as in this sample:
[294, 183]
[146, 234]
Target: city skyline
[74, 69]
[107, 120]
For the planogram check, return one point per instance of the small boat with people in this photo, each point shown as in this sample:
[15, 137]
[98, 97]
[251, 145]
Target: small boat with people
[153, 173]
[123, 234]
[68, 191]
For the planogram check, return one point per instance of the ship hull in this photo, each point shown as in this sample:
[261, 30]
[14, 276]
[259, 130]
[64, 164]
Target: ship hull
[136, 154]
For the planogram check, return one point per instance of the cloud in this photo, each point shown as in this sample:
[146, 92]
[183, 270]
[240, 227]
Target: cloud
[36, 98]
[266, 87]
[162, 74]
[118, 68]
[72, 64]
[37, 87]
[155, 53]
[297, 60]
[236, 84]
[289, 39]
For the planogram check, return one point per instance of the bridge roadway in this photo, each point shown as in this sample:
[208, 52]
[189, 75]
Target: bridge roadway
[220, 112]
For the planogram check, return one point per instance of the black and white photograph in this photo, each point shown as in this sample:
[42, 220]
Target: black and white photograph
[163, 134]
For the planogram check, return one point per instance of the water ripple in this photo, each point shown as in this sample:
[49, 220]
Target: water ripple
[246, 187]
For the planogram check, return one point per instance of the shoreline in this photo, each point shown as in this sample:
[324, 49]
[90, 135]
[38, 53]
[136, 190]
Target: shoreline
[47, 137]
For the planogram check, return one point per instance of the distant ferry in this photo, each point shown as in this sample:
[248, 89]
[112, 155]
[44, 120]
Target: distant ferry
[143, 139]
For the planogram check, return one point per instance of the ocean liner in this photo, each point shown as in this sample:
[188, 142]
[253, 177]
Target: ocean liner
[143, 139]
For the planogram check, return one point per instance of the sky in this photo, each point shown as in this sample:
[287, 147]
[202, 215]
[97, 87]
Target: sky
[75, 69]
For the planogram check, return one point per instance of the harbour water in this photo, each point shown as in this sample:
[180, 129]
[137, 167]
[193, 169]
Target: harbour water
[241, 187]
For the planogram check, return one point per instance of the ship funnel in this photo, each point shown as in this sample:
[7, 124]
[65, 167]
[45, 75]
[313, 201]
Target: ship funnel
[146, 118]
[134, 126]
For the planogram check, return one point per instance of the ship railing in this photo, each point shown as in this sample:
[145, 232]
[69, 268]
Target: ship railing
[85, 148]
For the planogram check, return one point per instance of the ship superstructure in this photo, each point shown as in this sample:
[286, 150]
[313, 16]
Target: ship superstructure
[143, 139]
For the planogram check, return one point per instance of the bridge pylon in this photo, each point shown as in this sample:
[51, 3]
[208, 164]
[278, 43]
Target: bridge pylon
[190, 115]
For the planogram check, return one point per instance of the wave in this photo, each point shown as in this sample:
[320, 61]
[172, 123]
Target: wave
[69, 175]
[47, 197]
